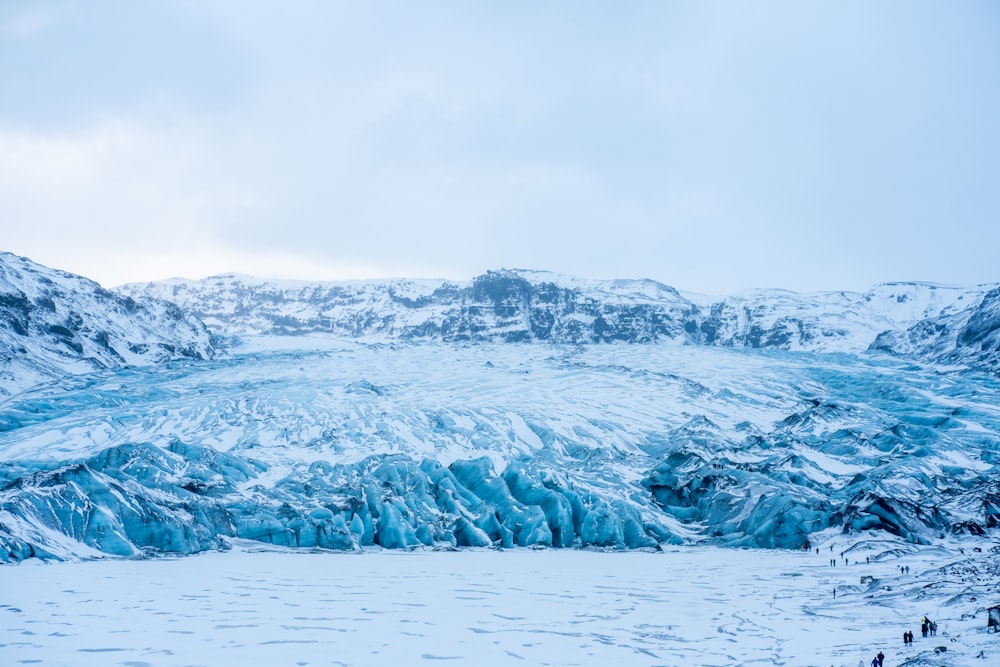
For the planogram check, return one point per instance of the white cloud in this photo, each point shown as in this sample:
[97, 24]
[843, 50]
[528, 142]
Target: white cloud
[88, 200]
[708, 150]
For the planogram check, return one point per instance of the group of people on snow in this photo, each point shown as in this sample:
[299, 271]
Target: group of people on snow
[928, 628]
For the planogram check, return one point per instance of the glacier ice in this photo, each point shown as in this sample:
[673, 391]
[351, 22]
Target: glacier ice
[559, 446]
[131, 499]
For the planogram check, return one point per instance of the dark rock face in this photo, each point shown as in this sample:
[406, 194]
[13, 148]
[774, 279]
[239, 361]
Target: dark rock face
[980, 337]
[502, 306]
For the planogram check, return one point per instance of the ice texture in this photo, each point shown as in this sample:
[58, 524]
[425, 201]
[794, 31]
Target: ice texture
[130, 500]
[610, 447]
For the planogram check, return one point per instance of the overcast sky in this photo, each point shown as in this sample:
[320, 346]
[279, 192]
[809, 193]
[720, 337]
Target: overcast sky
[713, 146]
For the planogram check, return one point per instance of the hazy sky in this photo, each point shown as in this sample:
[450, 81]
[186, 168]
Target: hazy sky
[712, 146]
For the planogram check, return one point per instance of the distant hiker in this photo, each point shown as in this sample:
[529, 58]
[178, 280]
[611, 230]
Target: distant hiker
[875, 662]
[902, 569]
[834, 592]
[907, 569]
[906, 638]
[923, 627]
[932, 626]
[880, 657]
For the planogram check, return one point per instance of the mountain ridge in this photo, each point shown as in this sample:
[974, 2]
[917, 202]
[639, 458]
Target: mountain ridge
[517, 305]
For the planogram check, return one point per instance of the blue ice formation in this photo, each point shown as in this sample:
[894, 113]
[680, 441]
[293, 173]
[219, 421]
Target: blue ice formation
[140, 499]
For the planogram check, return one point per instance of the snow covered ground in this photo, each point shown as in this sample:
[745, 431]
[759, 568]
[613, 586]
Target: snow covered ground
[683, 606]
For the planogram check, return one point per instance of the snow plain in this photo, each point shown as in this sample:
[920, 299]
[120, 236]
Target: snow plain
[682, 606]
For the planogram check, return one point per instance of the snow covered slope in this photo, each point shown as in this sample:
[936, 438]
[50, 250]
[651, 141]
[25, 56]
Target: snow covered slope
[825, 321]
[53, 323]
[968, 336]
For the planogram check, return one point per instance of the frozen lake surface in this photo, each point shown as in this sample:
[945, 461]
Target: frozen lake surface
[686, 606]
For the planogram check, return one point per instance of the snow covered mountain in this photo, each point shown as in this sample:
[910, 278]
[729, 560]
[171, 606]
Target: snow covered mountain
[500, 306]
[54, 323]
[968, 337]
[400, 414]
[518, 305]
[826, 321]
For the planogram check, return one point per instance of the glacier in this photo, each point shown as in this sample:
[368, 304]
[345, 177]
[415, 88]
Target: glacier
[337, 444]
[521, 409]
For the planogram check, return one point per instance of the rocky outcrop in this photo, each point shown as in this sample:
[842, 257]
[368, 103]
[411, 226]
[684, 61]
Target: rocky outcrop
[53, 323]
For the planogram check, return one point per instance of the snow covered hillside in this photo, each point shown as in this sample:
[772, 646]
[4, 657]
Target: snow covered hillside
[54, 323]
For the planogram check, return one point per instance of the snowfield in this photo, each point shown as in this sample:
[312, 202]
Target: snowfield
[681, 606]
